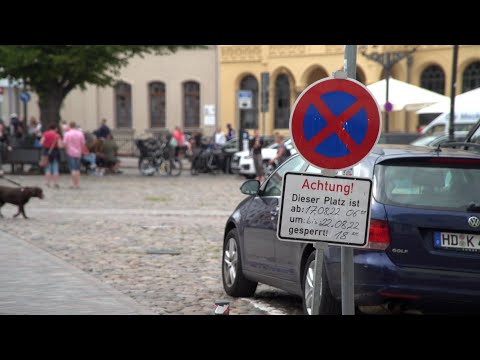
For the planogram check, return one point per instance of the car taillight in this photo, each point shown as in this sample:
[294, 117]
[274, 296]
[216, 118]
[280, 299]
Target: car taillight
[378, 235]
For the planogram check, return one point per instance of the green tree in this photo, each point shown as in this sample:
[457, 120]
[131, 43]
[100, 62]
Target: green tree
[52, 71]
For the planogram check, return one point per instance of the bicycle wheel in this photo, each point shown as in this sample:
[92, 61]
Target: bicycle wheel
[164, 167]
[212, 164]
[146, 167]
[194, 168]
[175, 167]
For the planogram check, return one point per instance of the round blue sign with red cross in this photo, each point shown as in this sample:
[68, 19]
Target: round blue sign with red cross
[335, 123]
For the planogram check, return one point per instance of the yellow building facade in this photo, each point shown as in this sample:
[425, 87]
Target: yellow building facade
[292, 68]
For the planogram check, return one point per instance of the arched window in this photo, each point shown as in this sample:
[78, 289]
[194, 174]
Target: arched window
[316, 74]
[157, 104]
[123, 105]
[433, 78]
[249, 117]
[282, 102]
[471, 77]
[191, 104]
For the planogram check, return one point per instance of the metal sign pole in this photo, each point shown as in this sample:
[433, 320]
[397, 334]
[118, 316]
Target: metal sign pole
[265, 96]
[453, 89]
[237, 122]
[10, 111]
[348, 300]
[319, 249]
[26, 98]
[263, 123]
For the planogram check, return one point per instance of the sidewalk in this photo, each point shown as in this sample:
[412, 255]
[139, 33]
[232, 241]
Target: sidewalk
[36, 282]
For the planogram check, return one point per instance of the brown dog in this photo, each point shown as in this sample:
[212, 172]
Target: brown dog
[18, 196]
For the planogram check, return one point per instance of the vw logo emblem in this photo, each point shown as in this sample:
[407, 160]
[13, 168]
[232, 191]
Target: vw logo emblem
[474, 221]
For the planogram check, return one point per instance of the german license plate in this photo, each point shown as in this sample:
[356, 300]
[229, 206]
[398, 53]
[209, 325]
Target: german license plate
[456, 241]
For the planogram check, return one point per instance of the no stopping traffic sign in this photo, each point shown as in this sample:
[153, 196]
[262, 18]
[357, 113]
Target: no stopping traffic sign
[335, 123]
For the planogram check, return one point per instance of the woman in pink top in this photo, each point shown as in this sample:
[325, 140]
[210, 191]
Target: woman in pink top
[74, 141]
[51, 142]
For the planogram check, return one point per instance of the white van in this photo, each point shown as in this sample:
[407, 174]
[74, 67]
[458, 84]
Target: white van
[441, 124]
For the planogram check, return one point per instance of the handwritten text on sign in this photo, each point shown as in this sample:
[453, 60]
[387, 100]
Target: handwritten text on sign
[327, 209]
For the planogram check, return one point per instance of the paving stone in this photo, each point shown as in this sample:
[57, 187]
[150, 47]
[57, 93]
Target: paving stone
[107, 226]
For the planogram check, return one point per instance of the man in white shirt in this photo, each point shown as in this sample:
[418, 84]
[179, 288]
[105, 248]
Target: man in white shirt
[220, 138]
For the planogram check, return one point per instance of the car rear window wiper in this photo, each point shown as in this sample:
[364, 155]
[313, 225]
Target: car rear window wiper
[473, 207]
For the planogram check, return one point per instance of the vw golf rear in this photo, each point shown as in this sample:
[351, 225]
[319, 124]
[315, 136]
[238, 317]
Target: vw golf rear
[427, 220]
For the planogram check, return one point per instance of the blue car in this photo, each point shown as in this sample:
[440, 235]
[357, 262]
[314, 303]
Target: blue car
[424, 237]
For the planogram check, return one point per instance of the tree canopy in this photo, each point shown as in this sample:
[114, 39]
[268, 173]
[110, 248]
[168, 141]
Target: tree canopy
[52, 71]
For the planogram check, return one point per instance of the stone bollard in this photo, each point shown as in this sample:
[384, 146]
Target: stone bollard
[222, 307]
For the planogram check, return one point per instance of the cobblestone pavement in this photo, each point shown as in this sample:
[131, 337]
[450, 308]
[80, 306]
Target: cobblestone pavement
[114, 227]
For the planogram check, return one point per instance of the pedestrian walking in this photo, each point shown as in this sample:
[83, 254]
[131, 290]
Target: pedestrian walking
[51, 142]
[177, 141]
[230, 132]
[74, 140]
[256, 145]
[282, 152]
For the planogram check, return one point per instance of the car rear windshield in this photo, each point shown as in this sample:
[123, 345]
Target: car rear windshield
[443, 184]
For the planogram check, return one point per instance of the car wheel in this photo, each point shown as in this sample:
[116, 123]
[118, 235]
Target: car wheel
[328, 304]
[234, 282]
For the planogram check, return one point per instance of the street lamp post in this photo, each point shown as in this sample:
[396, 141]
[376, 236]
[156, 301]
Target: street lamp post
[387, 59]
[453, 89]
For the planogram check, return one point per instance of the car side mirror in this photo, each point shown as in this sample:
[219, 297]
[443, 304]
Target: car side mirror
[250, 187]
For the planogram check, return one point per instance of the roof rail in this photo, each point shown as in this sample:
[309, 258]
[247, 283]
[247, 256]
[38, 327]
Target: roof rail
[454, 144]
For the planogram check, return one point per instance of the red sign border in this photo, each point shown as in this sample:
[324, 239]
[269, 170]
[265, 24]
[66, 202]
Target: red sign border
[371, 106]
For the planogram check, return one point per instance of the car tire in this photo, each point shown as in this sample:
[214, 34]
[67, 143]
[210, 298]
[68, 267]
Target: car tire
[328, 304]
[234, 282]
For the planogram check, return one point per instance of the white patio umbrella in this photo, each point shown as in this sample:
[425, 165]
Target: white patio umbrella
[466, 103]
[404, 96]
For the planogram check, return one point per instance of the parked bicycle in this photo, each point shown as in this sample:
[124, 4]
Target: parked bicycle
[157, 157]
[205, 160]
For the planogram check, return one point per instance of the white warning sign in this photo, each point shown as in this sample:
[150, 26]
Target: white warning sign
[315, 208]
